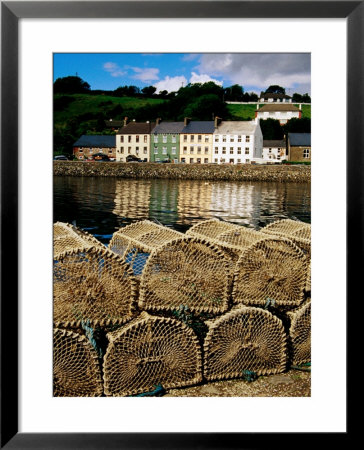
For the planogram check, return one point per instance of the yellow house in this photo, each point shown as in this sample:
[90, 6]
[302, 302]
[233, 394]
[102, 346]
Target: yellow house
[196, 142]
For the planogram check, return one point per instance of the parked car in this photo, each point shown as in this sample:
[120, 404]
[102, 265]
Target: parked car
[60, 158]
[100, 157]
[132, 158]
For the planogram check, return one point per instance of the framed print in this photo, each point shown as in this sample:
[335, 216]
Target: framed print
[32, 33]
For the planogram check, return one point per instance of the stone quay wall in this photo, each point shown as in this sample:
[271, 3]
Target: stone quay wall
[226, 172]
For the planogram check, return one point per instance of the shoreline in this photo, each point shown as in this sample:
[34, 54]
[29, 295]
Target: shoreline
[208, 172]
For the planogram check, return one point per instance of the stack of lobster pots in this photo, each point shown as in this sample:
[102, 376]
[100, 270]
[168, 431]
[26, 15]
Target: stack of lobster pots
[159, 308]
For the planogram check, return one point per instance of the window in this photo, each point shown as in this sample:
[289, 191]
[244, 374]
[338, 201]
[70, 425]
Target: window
[247, 150]
[198, 149]
[222, 160]
[155, 150]
[185, 138]
[191, 161]
[164, 150]
[191, 149]
[224, 138]
[231, 150]
[247, 139]
[238, 160]
[145, 150]
[164, 138]
[206, 150]
[231, 161]
[216, 138]
[183, 160]
[155, 139]
[215, 160]
[306, 153]
[174, 150]
[247, 160]
[145, 138]
[232, 138]
[239, 138]
[80, 151]
[216, 149]
[136, 138]
[199, 138]
[192, 138]
[121, 149]
[198, 160]
[207, 138]
[110, 151]
[121, 138]
[239, 150]
[174, 139]
[129, 150]
[184, 150]
[270, 150]
[206, 160]
[129, 138]
[224, 150]
[137, 150]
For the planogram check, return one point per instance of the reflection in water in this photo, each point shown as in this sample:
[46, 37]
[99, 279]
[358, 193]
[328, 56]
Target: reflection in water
[103, 205]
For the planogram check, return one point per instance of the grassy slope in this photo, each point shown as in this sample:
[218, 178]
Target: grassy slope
[85, 103]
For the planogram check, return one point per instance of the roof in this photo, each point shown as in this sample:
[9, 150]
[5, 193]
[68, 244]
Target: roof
[270, 95]
[236, 127]
[301, 139]
[96, 140]
[114, 123]
[274, 143]
[168, 127]
[196, 126]
[279, 107]
[137, 128]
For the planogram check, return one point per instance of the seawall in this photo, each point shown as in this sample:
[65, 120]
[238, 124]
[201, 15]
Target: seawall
[227, 172]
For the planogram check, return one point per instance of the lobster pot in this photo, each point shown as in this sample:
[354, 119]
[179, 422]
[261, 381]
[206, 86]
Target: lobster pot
[150, 352]
[187, 272]
[92, 285]
[231, 238]
[67, 237]
[296, 231]
[300, 334]
[244, 339]
[272, 270]
[308, 279]
[136, 241]
[76, 368]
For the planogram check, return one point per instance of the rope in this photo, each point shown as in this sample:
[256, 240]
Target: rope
[249, 376]
[158, 392]
[90, 336]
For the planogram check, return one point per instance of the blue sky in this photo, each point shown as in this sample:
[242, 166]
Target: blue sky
[169, 71]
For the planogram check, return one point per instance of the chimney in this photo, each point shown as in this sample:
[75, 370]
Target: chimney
[158, 121]
[300, 106]
[125, 121]
[217, 121]
[186, 121]
[257, 106]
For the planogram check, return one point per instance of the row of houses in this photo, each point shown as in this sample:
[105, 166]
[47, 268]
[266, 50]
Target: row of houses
[190, 142]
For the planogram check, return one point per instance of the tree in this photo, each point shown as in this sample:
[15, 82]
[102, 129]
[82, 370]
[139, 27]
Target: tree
[271, 129]
[275, 89]
[297, 126]
[234, 93]
[148, 91]
[297, 98]
[126, 91]
[204, 107]
[306, 98]
[70, 85]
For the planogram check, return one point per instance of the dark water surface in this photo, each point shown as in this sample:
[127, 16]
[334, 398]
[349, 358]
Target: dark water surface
[103, 205]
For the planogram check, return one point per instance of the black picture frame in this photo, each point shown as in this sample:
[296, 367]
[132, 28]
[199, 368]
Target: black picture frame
[11, 12]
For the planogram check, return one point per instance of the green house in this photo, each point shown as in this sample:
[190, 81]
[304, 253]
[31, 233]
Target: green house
[164, 142]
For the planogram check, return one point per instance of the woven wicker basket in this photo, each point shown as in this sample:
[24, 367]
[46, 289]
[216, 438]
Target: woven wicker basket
[92, 284]
[135, 242]
[186, 272]
[296, 231]
[150, 352]
[68, 237]
[244, 339]
[76, 368]
[300, 334]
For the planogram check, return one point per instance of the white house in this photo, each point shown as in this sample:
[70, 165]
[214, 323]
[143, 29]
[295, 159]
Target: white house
[274, 98]
[237, 142]
[274, 150]
[278, 111]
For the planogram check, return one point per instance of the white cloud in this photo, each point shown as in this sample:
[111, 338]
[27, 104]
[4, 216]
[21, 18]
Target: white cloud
[170, 84]
[260, 69]
[202, 78]
[113, 69]
[145, 75]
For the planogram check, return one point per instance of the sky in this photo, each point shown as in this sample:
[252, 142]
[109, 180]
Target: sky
[170, 71]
